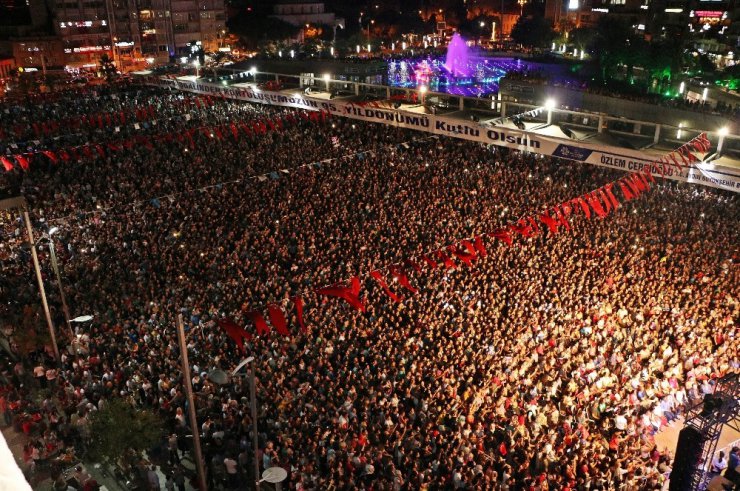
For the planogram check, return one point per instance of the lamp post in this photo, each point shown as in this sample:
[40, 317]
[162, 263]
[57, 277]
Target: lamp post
[723, 132]
[191, 404]
[253, 409]
[549, 105]
[55, 267]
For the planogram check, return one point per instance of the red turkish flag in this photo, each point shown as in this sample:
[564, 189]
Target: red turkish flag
[480, 246]
[503, 234]
[298, 301]
[259, 322]
[52, 156]
[7, 163]
[350, 294]
[384, 285]
[234, 331]
[23, 161]
[277, 319]
[400, 275]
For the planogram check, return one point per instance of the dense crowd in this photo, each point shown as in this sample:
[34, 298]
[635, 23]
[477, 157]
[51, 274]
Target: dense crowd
[550, 364]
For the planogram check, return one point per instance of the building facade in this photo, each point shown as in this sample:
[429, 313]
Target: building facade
[130, 32]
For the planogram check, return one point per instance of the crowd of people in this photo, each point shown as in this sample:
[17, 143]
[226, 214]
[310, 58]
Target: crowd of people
[550, 364]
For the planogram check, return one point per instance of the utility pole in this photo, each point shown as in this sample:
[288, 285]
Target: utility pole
[191, 404]
[255, 440]
[55, 267]
[40, 280]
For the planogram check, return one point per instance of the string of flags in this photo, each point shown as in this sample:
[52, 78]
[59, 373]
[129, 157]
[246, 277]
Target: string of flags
[235, 129]
[106, 119]
[157, 201]
[597, 203]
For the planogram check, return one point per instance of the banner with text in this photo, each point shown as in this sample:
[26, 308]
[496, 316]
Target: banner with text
[706, 174]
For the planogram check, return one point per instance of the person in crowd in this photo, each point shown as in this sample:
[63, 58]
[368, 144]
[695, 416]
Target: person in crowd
[551, 363]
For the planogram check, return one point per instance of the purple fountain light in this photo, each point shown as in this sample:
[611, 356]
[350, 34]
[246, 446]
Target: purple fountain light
[457, 57]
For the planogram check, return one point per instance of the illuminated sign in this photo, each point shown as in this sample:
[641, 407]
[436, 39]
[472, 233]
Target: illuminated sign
[124, 44]
[87, 49]
[674, 11]
[709, 14]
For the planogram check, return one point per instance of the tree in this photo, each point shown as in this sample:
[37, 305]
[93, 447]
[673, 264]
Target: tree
[533, 31]
[255, 30]
[120, 427]
[583, 37]
[107, 67]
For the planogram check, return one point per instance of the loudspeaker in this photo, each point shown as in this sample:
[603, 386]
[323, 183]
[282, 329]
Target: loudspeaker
[688, 453]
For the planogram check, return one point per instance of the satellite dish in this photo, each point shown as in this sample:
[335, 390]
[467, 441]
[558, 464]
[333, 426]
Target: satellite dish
[82, 318]
[218, 376]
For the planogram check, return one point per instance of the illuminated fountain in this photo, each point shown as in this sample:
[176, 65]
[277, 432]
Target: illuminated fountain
[460, 72]
[457, 60]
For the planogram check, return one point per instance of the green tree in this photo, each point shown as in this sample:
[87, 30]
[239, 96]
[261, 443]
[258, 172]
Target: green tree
[533, 31]
[120, 427]
[583, 38]
[254, 30]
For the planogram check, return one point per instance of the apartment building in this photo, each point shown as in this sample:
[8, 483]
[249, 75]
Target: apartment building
[134, 32]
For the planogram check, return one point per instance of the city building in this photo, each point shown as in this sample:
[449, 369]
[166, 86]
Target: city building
[300, 13]
[38, 53]
[307, 15]
[130, 32]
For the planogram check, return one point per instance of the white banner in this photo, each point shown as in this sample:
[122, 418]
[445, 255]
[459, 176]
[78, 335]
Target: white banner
[706, 174]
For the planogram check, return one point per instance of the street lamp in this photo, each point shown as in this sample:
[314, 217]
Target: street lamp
[550, 105]
[55, 266]
[423, 90]
[722, 132]
[191, 404]
[253, 407]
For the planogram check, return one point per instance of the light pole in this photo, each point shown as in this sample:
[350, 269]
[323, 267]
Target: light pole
[49, 322]
[196, 64]
[549, 105]
[55, 267]
[219, 377]
[722, 132]
[191, 404]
